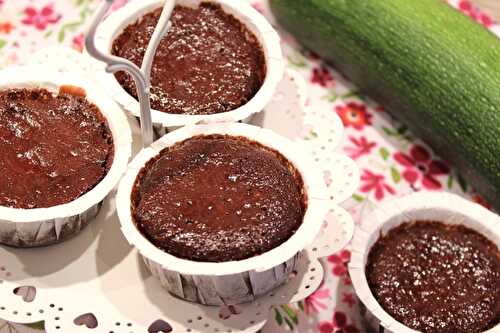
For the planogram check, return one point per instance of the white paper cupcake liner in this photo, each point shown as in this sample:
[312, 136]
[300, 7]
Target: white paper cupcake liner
[236, 281]
[444, 207]
[226, 289]
[45, 226]
[253, 20]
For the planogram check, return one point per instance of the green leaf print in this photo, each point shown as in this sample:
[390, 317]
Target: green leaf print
[463, 183]
[291, 313]
[450, 182]
[389, 131]
[278, 317]
[384, 153]
[297, 60]
[286, 315]
[289, 323]
[358, 197]
[81, 2]
[61, 36]
[331, 96]
[396, 176]
[351, 94]
[2, 43]
[73, 26]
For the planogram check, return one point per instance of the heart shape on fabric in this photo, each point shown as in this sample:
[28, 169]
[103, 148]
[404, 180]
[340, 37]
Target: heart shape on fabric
[160, 326]
[87, 319]
[28, 293]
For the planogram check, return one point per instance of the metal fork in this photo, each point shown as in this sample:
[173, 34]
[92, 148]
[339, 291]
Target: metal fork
[141, 76]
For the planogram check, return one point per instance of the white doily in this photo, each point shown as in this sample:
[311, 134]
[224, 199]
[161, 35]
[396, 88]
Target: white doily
[96, 281]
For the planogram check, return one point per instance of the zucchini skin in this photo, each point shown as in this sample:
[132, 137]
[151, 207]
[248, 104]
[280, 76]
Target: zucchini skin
[426, 63]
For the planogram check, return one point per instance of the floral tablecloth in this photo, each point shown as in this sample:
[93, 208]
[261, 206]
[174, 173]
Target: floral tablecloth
[391, 160]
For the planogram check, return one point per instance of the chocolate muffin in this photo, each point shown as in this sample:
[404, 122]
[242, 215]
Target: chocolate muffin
[208, 63]
[434, 277]
[54, 147]
[216, 198]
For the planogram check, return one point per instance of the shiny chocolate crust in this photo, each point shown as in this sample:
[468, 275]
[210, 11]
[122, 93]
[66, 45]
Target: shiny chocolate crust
[434, 277]
[218, 198]
[208, 63]
[54, 147]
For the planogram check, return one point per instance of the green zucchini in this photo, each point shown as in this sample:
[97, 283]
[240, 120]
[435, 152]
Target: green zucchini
[429, 65]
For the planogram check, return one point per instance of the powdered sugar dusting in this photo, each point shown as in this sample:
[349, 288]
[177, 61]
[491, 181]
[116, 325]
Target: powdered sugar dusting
[437, 278]
[208, 63]
[218, 198]
[54, 147]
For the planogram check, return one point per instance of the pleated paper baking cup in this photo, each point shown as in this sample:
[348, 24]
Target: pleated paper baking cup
[241, 10]
[424, 206]
[45, 226]
[235, 281]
